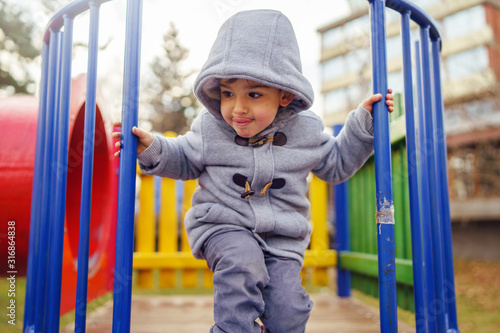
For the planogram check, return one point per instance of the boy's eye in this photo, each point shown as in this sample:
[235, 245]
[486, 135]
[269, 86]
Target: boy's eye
[254, 95]
[226, 93]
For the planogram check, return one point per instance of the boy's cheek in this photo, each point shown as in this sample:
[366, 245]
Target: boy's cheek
[227, 119]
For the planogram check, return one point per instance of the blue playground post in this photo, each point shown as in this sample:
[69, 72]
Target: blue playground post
[411, 149]
[342, 231]
[87, 171]
[434, 186]
[36, 207]
[442, 162]
[41, 274]
[128, 164]
[424, 195]
[383, 174]
[57, 231]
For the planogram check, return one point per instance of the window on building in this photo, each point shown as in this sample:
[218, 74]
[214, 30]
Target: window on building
[461, 165]
[392, 16]
[331, 37]
[489, 168]
[472, 116]
[336, 101]
[475, 170]
[356, 27]
[395, 81]
[358, 60]
[394, 47]
[465, 22]
[356, 94]
[466, 63]
[333, 68]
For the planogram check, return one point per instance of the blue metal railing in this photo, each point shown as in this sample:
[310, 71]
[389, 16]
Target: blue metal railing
[87, 171]
[431, 233]
[383, 178]
[411, 151]
[342, 230]
[128, 156]
[43, 286]
[433, 278]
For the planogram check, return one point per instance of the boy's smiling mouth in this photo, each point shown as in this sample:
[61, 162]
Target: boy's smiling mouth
[241, 121]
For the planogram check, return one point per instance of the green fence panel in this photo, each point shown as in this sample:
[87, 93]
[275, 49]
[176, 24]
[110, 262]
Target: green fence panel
[362, 260]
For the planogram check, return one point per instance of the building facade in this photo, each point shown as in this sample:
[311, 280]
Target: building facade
[470, 73]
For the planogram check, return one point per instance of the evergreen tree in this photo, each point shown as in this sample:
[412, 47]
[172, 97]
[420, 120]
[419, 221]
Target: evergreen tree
[173, 102]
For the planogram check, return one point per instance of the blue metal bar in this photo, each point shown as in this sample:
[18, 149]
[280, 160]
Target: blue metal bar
[383, 174]
[87, 166]
[417, 14]
[71, 10]
[36, 209]
[47, 191]
[342, 231]
[56, 257]
[128, 160]
[53, 169]
[438, 303]
[424, 199]
[442, 161]
[411, 152]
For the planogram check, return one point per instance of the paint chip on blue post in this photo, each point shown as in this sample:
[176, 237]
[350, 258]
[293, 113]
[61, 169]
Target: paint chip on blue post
[385, 215]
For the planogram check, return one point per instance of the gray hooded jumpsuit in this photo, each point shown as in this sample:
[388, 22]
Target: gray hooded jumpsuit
[254, 239]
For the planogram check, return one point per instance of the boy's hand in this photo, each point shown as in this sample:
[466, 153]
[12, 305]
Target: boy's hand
[368, 103]
[144, 139]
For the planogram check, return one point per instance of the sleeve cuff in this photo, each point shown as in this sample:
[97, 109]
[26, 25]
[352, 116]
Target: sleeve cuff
[151, 156]
[366, 119]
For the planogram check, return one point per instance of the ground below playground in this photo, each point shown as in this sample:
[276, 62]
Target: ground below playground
[477, 284]
[478, 300]
[193, 314]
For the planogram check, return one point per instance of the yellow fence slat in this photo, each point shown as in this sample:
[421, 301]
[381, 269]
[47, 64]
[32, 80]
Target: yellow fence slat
[189, 276]
[168, 226]
[318, 194]
[145, 229]
[168, 230]
[156, 260]
[208, 278]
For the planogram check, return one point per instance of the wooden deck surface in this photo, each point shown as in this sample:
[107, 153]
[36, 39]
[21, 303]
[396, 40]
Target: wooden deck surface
[193, 314]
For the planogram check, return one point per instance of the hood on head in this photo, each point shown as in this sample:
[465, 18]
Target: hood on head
[257, 45]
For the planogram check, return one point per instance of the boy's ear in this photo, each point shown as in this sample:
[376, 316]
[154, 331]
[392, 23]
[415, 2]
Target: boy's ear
[286, 98]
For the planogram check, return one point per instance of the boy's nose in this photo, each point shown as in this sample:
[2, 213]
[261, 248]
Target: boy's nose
[240, 106]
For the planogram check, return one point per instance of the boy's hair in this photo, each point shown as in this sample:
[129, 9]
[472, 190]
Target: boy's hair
[257, 45]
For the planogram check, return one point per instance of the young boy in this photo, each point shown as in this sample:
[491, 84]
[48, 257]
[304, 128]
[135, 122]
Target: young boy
[251, 150]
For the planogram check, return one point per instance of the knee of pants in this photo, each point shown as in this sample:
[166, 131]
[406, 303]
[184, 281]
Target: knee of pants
[241, 267]
[288, 313]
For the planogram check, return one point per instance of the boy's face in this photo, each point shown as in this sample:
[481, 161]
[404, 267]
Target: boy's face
[248, 106]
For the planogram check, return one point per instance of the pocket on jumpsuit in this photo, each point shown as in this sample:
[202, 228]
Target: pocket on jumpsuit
[293, 225]
[215, 213]
[207, 212]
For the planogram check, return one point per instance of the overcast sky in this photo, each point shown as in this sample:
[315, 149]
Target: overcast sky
[198, 22]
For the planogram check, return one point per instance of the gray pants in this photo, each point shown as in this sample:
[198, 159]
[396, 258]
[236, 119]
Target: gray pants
[251, 284]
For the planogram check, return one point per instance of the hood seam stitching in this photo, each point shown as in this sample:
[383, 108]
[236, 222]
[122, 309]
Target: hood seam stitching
[270, 45]
[227, 46]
